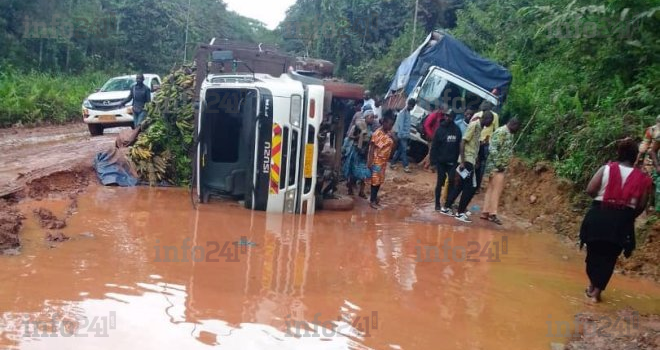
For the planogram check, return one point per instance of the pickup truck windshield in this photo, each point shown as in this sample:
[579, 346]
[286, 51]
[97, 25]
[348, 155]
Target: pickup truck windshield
[118, 84]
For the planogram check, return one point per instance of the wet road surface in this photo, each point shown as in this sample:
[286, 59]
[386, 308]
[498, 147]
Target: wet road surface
[263, 281]
[27, 154]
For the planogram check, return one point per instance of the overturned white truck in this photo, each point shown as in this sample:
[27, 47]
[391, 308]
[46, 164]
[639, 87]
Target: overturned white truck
[445, 72]
[258, 133]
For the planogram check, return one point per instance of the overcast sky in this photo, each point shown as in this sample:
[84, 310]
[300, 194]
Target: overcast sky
[270, 12]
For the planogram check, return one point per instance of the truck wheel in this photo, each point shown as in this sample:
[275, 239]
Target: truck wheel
[341, 204]
[417, 151]
[95, 129]
[206, 196]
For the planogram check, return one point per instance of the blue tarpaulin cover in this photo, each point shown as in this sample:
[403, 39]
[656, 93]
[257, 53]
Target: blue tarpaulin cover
[450, 54]
[112, 168]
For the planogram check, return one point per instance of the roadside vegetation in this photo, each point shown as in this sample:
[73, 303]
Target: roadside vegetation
[584, 73]
[36, 98]
[55, 53]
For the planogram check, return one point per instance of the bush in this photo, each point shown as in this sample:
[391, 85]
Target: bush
[40, 98]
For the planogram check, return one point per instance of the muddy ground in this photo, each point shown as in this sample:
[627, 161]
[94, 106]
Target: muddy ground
[29, 155]
[46, 162]
[534, 200]
[55, 162]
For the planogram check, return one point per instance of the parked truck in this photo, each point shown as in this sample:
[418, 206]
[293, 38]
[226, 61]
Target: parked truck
[446, 73]
[263, 122]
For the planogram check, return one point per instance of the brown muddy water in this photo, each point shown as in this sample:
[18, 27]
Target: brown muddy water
[332, 281]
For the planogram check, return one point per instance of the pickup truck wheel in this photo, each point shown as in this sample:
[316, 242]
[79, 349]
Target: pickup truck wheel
[341, 204]
[95, 129]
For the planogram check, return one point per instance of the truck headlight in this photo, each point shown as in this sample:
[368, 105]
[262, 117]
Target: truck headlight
[87, 104]
[290, 202]
[295, 110]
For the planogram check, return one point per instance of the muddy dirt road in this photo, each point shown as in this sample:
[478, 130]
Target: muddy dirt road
[106, 268]
[141, 266]
[28, 154]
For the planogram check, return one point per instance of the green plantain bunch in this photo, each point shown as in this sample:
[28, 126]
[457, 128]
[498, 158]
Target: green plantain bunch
[162, 152]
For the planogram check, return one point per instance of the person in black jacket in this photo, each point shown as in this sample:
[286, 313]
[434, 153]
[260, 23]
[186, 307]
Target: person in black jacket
[445, 150]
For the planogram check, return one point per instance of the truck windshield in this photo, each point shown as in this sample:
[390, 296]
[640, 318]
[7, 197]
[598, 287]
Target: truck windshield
[431, 90]
[440, 92]
[118, 84]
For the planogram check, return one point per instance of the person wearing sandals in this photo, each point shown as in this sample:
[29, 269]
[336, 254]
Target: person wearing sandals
[501, 152]
[383, 142]
[620, 192]
[469, 149]
[355, 167]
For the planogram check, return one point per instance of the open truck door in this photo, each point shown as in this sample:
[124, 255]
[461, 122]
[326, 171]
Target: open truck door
[258, 141]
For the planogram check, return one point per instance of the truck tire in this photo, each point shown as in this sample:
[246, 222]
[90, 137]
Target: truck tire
[417, 151]
[95, 129]
[206, 196]
[341, 204]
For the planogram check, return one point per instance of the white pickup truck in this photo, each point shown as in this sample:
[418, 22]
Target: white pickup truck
[104, 108]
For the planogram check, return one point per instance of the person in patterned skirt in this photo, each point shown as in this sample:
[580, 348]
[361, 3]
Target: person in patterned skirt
[380, 150]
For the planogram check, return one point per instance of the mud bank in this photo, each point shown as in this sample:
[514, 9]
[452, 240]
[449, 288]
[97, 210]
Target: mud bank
[540, 201]
[11, 221]
[624, 330]
[63, 186]
[30, 154]
[534, 200]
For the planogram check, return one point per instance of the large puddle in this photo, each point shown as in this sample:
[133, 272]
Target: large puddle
[261, 281]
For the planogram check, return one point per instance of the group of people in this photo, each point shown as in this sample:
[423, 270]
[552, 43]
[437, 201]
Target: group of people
[463, 151]
[368, 146]
[463, 156]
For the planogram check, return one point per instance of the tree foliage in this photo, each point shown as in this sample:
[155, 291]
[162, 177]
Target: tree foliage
[584, 75]
[71, 36]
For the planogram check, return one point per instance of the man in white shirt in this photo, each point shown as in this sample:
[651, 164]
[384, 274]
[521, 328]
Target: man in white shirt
[378, 109]
[368, 101]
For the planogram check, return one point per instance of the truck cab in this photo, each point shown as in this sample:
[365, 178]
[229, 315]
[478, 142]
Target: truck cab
[258, 140]
[440, 87]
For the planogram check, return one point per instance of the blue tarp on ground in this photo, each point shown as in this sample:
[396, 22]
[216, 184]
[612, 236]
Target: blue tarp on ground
[454, 56]
[113, 169]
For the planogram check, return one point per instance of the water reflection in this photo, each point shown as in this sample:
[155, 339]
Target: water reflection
[335, 280]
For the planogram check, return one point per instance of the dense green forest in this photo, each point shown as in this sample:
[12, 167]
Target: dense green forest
[73, 36]
[585, 72]
[54, 53]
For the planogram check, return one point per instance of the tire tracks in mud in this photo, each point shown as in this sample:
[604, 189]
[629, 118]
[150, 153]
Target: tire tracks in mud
[31, 154]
